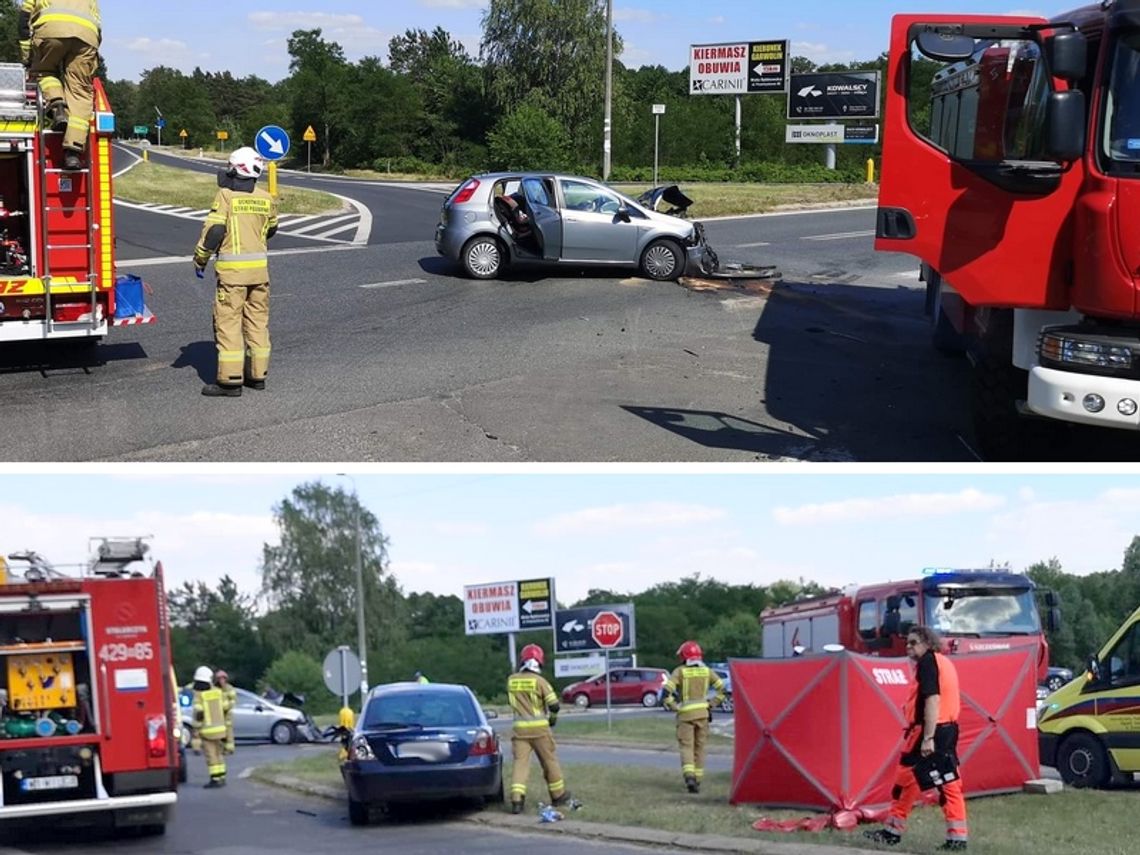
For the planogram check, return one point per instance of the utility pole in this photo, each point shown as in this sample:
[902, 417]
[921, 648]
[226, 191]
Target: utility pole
[361, 635]
[607, 129]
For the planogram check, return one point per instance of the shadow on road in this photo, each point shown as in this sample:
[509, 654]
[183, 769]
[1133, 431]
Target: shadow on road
[64, 357]
[202, 356]
[724, 430]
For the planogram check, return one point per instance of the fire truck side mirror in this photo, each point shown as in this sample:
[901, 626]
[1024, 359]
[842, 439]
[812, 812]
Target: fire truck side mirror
[1068, 55]
[1053, 619]
[945, 43]
[1066, 125]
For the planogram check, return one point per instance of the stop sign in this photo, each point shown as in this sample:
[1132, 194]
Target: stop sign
[606, 629]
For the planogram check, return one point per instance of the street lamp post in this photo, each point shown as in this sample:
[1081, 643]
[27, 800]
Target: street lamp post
[361, 635]
[607, 129]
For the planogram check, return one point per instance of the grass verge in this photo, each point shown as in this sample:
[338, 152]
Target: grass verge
[657, 731]
[1076, 822]
[723, 200]
[167, 185]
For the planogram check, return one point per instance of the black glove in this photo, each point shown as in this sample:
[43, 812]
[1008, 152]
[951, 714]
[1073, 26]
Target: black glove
[552, 720]
[710, 713]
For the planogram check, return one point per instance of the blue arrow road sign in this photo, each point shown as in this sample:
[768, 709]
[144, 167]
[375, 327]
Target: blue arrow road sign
[160, 123]
[272, 142]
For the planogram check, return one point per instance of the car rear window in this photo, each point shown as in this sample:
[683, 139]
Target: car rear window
[425, 708]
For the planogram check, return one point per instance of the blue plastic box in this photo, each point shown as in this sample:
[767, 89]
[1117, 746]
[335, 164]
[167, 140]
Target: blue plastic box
[129, 300]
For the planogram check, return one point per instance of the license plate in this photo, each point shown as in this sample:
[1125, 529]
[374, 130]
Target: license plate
[51, 782]
[431, 752]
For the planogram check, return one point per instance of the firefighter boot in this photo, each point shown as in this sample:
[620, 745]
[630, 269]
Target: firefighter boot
[953, 846]
[883, 836]
[216, 390]
[57, 115]
[517, 807]
[691, 784]
[259, 385]
[564, 800]
[73, 160]
[215, 783]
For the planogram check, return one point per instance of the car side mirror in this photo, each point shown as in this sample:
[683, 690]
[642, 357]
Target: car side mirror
[259, 708]
[623, 214]
[1093, 666]
[1053, 619]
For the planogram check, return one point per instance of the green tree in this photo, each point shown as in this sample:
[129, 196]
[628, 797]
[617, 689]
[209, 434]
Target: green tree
[216, 627]
[733, 635]
[309, 580]
[552, 54]
[318, 71]
[300, 674]
[9, 42]
[528, 138]
[184, 103]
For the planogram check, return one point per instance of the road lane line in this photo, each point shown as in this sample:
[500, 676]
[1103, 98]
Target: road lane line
[750, 245]
[335, 230]
[394, 283]
[295, 219]
[328, 221]
[840, 236]
[338, 246]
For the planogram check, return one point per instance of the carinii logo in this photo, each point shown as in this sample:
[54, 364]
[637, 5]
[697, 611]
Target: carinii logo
[890, 676]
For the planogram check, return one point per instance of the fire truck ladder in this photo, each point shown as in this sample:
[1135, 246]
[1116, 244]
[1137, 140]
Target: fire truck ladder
[48, 209]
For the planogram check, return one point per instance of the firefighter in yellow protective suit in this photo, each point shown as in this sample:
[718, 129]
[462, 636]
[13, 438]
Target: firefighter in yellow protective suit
[535, 708]
[60, 38]
[229, 701]
[686, 692]
[210, 724]
[241, 220]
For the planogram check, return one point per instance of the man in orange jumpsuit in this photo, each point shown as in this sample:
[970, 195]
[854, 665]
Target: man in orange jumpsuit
[932, 711]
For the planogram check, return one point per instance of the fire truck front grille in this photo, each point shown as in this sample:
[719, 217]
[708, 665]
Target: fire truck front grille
[47, 775]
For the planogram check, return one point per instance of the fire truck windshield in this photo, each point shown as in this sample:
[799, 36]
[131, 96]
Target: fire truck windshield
[1122, 106]
[982, 612]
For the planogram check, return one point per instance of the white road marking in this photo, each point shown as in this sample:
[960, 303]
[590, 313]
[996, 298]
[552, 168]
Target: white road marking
[335, 231]
[294, 219]
[312, 227]
[394, 283]
[245, 773]
[840, 236]
[340, 246]
[750, 245]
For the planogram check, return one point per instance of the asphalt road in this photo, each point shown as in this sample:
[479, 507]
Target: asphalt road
[383, 352]
[247, 818]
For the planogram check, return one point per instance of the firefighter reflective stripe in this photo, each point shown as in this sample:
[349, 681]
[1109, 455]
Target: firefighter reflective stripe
[79, 13]
[531, 698]
[209, 706]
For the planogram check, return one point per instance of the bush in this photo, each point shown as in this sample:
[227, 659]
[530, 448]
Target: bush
[529, 138]
[302, 675]
[765, 172]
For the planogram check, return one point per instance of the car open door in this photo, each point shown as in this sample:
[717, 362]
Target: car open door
[546, 220]
[967, 164]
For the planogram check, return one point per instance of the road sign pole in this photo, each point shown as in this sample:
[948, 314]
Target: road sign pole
[656, 139]
[513, 653]
[309, 158]
[609, 709]
[273, 178]
[343, 675]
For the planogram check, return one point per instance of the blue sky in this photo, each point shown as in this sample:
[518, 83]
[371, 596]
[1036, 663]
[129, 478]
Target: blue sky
[621, 531]
[249, 36]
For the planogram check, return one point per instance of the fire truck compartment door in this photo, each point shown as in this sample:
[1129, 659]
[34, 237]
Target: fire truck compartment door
[953, 203]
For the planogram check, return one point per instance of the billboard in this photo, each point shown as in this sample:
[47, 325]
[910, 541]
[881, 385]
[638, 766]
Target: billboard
[839, 95]
[588, 628]
[497, 607]
[832, 133]
[739, 68]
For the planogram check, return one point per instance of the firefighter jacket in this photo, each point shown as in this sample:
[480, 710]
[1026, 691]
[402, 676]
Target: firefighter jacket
[237, 228]
[229, 701]
[687, 691]
[210, 713]
[60, 19]
[534, 704]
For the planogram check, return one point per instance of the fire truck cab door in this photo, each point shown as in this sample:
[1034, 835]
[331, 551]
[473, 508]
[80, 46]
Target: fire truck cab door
[964, 164]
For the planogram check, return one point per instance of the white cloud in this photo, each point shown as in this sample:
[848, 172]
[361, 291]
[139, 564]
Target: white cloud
[453, 4]
[452, 528]
[641, 16]
[717, 20]
[821, 53]
[889, 507]
[169, 50]
[351, 32]
[615, 517]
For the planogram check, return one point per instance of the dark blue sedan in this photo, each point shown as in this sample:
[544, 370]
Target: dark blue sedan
[417, 742]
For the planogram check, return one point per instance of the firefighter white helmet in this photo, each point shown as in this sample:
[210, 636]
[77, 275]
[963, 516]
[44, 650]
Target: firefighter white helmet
[246, 163]
[203, 675]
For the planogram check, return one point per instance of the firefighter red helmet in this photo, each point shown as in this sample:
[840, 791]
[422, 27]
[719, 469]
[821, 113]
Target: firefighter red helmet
[533, 651]
[689, 650]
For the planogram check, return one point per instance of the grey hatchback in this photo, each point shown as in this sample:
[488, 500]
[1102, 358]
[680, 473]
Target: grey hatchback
[498, 218]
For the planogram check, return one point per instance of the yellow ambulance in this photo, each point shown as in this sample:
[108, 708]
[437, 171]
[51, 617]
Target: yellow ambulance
[1089, 729]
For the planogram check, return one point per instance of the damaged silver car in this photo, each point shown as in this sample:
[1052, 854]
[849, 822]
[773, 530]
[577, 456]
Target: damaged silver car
[503, 218]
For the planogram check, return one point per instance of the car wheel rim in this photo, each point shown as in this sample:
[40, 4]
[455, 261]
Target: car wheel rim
[659, 261]
[483, 258]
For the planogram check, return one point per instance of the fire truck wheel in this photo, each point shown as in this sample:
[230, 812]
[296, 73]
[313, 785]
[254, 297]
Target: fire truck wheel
[1001, 432]
[283, 733]
[1082, 762]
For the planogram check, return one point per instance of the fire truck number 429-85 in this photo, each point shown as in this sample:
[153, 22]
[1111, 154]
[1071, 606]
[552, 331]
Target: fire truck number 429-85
[141, 650]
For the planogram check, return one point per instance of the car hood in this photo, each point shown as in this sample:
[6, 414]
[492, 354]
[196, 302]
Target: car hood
[678, 203]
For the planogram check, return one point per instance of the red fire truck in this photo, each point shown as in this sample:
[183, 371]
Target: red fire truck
[85, 720]
[57, 237]
[1011, 167]
[974, 611]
